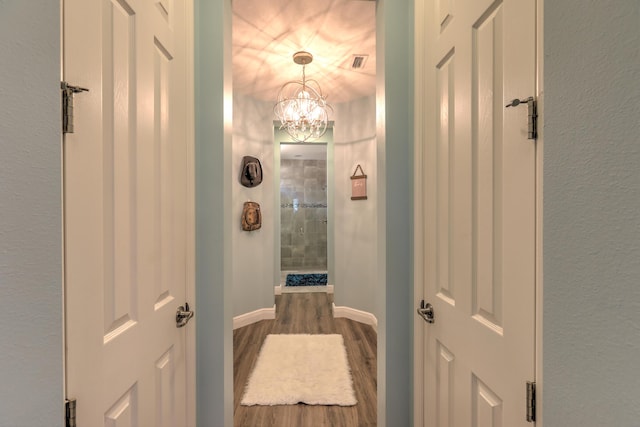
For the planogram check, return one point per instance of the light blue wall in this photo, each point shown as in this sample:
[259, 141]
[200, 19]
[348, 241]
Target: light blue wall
[591, 213]
[252, 252]
[355, 221]
[395, 212]
[214, 355]
[31, 394]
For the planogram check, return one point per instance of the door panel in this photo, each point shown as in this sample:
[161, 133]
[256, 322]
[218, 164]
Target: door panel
[445, 367]
[444, 144]
[118, 62]
[487, 406]
[124, 412]
[126, 212]
[487, 168]
[478, 212]
[165, 396]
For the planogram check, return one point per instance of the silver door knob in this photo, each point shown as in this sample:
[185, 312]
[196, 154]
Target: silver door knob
[183, 315]
[426, 312]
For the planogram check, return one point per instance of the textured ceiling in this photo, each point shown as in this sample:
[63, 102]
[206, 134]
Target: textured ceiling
[266, 34]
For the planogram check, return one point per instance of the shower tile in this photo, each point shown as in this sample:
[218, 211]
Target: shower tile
[286, 263]
[285, 252]
[315, 264]
[311, 173]
[315, 196]
[287, 188]
[286, 214]
[311, 227]
[297, 252]
[286, 174]
[303, 232]
[310, 184]
[298, 223]
[297, 239]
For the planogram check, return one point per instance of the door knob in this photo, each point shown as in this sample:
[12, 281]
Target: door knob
[183, 315]
[426, 312]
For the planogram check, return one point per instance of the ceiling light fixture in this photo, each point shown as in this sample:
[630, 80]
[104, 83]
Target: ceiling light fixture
[301, 107]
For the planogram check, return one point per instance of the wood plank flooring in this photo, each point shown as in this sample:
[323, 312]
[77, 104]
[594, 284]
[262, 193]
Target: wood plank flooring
[307, 313]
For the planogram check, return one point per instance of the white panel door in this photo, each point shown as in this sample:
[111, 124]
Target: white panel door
[128, 213]
[478, 212]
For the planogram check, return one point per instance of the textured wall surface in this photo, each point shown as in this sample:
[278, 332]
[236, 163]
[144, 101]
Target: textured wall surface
[31, 393]
[213, 222]
[591, 348]
[252, 251]
[394, 294]
[356, 227]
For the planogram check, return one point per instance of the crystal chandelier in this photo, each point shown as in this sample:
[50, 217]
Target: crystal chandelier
[301, 107]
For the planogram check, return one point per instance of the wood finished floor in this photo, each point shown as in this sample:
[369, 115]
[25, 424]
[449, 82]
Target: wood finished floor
[307, 313]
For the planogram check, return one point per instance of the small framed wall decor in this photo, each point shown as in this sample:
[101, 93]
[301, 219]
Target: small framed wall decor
[358, 185]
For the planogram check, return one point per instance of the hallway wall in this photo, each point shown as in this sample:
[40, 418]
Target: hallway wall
[31, 349]
[252, 251]
[394, 267]
[214, 290]
[356, 228]
[591, 342]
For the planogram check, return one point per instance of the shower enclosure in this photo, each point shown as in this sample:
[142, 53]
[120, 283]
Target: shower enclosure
[303, 208]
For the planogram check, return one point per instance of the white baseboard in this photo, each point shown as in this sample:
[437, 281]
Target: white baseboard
[355, 314]
[254, 316]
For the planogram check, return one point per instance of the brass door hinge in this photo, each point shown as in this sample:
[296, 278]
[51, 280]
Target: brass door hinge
[531, 401]
[67, 105]
[70, 410]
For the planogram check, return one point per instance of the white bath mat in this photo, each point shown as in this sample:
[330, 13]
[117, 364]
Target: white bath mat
[301, 368]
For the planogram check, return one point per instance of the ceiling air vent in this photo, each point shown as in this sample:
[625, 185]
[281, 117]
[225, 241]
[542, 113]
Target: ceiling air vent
[359, 61]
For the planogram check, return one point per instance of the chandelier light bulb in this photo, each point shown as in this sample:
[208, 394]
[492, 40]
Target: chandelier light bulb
[301, 107]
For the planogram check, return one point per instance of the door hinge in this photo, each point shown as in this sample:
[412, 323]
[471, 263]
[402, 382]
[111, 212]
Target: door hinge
[67, 105]
[531, 401]
[70, 410]
[532, 115]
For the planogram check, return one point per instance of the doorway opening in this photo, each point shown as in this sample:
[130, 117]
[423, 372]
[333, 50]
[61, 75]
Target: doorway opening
[352, 259]
[304, 188]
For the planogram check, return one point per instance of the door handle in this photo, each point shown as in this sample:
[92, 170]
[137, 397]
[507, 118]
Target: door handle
[426, 312]
[183, 315]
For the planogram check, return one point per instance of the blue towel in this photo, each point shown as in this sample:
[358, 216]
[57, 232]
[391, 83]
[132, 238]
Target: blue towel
[306, 280]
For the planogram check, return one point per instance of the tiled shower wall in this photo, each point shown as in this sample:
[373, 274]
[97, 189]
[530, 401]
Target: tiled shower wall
[303, 214]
